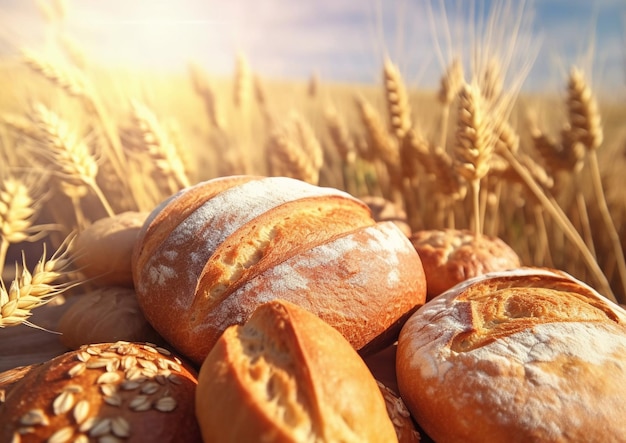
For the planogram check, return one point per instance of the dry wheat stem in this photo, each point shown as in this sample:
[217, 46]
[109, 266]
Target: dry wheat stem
[557, 214]
[32, 290]
[596, 180]
[451, 82]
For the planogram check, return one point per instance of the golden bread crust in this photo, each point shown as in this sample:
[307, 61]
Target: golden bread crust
[523, 355]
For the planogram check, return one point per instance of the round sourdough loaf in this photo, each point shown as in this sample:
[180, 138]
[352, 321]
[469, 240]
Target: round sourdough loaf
[106, 314]
[286, 375]
[523, 355]
[209, 255]
[450, 256]
[107, 392]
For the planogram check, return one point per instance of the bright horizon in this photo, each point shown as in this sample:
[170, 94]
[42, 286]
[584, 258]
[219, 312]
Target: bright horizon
[340, 40]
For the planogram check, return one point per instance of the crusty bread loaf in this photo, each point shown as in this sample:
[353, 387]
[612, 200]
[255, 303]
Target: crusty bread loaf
[106, 314]
[450, 256]
[522, 355]
[286, 375]
[242, 241]
[105, 392]
[103, 250]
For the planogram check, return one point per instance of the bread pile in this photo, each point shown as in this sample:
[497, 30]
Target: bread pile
[296, 316]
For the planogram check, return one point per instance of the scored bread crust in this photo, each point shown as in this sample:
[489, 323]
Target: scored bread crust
[121, 391]
[270, 238]
[286, 375]
[450, 256]
[524, 355]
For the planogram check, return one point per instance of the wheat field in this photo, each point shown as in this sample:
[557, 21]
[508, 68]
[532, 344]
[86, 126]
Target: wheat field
[79, 142]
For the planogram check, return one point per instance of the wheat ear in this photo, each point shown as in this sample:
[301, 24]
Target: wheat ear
[294, 150]
[146, 135]
[203, 88]
[450, 84]
[70, 156]
[31, 290]
[398, 108]
[474, 143]
[242, 95]
[586, 124]
[20, 201]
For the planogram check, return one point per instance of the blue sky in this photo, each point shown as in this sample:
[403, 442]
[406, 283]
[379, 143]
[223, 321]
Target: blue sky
[342, 40]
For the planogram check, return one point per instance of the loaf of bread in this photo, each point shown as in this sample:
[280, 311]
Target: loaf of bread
[106, 314]
[106, 392]
[450, 256]
[209, 255]
[103, 250]
[286, 375]
[523, 355]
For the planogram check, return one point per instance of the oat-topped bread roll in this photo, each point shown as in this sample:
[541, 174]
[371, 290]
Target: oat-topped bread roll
[450, 256]
[106, 314]
[517, 356]
[107, 393]
[208, 256]
[103, 250]
[286, 375]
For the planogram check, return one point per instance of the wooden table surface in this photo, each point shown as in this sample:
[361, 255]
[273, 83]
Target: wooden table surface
[24, 345]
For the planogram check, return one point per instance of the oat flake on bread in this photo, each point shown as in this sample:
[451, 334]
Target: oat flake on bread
[530, 354]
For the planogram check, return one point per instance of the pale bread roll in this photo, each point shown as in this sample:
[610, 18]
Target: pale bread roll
[286, 375]
[121, 391]
[106, 314]
[215, 251]
[450, 256]
[103, 250]
[523, 355]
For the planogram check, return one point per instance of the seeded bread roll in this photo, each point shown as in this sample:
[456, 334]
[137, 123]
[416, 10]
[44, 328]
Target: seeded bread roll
[450, 256]
[214, 252]
[103, 250]
[104, 315]
[105, 392]
[517, 356]
[286, 375]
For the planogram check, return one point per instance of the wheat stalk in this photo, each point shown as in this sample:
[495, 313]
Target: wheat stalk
[474, 143]
[147, 136]
[70, 80]
[243, 83]
[295, 151]
[398, 109]
[586, 124]
[450, 84]
[203, 88]
[381, 144]
[20, 202]
[32, 290]
[70, 156]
